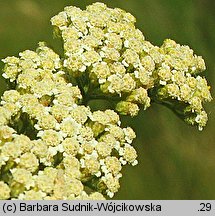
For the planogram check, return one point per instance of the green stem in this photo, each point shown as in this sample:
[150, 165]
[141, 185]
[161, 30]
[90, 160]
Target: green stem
[111, 100]
[176, 107]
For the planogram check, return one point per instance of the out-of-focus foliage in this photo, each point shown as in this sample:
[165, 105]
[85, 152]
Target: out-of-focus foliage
[176, 161]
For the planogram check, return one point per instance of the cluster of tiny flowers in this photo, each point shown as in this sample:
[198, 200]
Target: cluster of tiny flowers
[52, 146]
[103, 45]
[69, 152]
[177, 82]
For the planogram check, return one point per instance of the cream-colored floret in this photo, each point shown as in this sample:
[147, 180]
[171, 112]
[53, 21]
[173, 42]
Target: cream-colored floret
[71, 146]
[4, 191]
[29, 161]
[22, 176]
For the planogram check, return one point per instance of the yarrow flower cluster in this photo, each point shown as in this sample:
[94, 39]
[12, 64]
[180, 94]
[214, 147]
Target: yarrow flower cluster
[71, 151]
[104, 46]
[178, 84]
[52, 145]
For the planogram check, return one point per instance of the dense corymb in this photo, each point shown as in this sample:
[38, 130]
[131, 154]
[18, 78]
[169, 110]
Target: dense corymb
[52, 145]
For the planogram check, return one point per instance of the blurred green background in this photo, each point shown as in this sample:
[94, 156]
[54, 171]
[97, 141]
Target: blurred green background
[176, 161]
